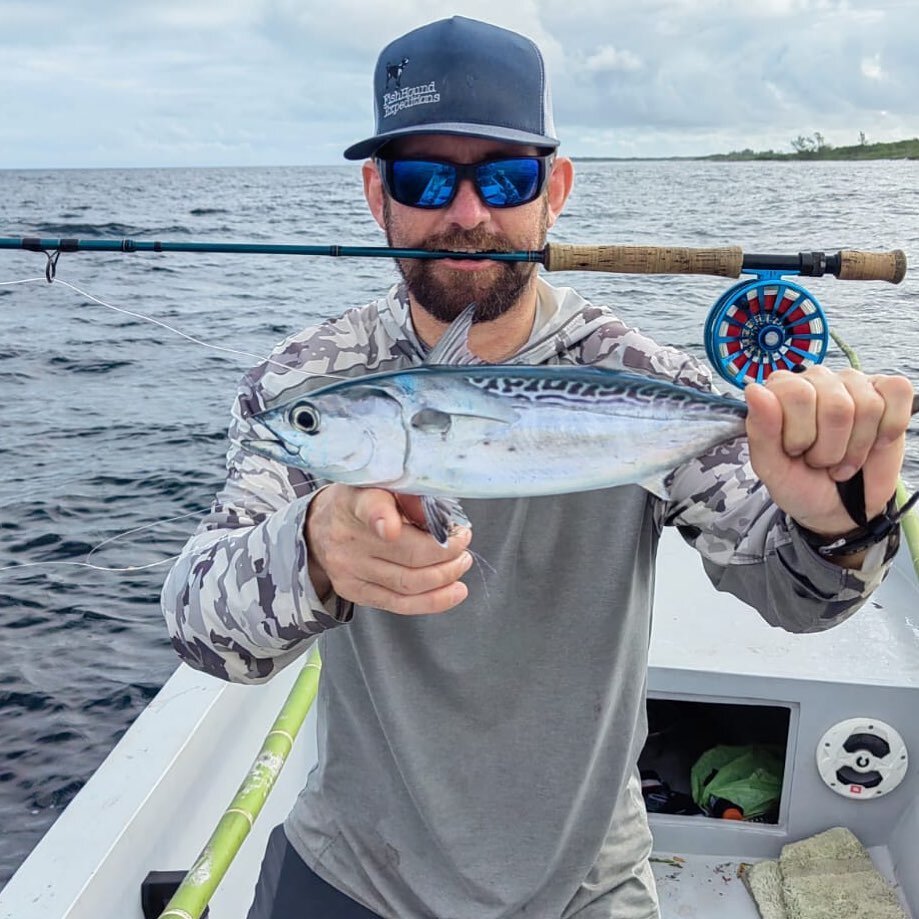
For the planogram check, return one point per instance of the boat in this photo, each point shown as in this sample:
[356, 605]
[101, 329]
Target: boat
[153, 802]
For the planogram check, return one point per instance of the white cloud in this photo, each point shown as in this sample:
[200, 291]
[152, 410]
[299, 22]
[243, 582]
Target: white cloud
[871, 67]
[609, 58]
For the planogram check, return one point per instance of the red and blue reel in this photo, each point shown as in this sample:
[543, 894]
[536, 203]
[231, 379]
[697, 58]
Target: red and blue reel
[762, 325]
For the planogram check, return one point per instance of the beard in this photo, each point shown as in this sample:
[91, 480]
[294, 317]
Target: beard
[445, 293]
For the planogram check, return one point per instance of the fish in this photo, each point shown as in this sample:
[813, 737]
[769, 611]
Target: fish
[455, 428]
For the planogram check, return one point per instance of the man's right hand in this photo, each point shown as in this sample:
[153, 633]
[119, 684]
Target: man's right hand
[364, 544]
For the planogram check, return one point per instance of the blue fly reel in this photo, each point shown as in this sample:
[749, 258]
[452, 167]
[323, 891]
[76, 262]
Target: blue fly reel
[762, 325]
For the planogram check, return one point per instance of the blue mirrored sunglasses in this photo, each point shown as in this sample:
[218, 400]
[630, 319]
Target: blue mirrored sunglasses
[501, 182]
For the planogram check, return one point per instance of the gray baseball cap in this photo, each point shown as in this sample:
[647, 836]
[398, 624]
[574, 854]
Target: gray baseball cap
[460, 76]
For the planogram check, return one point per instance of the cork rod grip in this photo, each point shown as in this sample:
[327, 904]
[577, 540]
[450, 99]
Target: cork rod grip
[725, 262]
[872, 266]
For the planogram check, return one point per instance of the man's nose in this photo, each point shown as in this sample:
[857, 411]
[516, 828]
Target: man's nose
[467, 209]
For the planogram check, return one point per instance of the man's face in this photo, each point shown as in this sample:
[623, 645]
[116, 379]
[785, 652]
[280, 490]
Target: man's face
[445, 287]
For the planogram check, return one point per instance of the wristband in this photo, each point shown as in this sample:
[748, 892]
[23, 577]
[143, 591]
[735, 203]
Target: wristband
[886, 524]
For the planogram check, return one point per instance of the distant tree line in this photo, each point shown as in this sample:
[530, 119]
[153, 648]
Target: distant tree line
[815, 147]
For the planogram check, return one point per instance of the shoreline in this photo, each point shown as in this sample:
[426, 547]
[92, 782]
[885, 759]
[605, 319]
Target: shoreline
[806, 150]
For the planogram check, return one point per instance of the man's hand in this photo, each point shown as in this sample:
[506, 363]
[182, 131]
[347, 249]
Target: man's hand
[809, 431]
[364, 544]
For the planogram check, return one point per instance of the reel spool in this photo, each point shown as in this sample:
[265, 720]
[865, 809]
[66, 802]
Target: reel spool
[762, 325]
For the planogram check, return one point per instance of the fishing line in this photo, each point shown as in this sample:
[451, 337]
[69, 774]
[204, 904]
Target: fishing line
[21, 281]
[170, 328]
[197, 341]
[40, 488]
[481, 563]
[124, 570]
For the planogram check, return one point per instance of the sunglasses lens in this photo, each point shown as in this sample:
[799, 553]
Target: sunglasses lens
[507, 183]
[419, 183]
[431, 184]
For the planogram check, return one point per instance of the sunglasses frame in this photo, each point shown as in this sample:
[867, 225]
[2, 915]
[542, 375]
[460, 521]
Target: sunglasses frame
[386, 166]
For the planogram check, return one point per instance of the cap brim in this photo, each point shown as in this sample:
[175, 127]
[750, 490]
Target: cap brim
[369, 147]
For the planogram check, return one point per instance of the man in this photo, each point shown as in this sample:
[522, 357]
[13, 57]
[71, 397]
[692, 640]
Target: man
[482, 762]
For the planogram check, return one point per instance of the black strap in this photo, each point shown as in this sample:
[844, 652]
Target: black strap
[852, 495]
[868, 533]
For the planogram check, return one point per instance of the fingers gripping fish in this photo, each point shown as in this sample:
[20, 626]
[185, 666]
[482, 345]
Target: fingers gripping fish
[453, 427]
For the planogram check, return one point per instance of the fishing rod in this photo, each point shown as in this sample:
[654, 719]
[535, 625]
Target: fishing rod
[757, 326]
[725, 261]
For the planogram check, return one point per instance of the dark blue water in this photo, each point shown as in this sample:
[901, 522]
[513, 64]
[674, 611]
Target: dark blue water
[109, 423]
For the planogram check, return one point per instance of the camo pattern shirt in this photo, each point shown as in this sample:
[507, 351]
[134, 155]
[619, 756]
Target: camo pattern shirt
[239, 604]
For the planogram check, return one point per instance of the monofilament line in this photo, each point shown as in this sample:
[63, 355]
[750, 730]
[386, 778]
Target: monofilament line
[170, 328]
[124, 570]
[20, 281]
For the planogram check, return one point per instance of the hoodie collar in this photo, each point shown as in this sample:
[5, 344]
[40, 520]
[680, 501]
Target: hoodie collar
[563, 318]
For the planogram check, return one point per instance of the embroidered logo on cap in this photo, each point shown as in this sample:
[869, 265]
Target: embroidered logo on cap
[408, 96]
[394, 72]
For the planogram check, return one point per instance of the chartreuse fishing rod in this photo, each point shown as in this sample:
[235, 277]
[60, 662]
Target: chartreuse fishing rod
[759, 325]
[192, 895]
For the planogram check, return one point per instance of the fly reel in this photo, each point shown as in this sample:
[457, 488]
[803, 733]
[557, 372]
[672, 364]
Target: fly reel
[765, 324]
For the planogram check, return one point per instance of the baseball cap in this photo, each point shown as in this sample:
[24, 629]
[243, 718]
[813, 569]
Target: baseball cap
[460, 76]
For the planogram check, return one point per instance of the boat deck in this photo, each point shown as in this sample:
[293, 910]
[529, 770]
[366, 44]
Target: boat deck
[708, 887]
[701, 886]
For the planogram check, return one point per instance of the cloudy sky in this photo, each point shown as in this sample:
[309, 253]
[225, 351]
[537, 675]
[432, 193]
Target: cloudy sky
[279, 82]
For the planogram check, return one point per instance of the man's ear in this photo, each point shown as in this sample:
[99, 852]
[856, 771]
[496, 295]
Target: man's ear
[373, 190]
[561, 181]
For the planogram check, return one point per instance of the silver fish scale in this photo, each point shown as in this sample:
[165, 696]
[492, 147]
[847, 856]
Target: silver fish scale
[560, 391]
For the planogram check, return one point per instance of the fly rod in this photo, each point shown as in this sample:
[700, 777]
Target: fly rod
[727, 261]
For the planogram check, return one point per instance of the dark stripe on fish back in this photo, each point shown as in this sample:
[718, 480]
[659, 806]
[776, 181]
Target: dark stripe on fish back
[560, 385]
[586, 386]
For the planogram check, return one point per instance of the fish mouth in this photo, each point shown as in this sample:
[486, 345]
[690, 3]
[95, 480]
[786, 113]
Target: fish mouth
[349, 468]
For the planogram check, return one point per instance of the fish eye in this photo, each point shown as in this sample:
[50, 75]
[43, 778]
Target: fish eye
[305, 418]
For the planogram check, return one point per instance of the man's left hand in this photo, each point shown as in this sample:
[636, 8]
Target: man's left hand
[808, 431]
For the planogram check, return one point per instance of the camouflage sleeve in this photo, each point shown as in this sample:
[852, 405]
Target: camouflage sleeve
[749, 546]
[752, 549]
[238, 602]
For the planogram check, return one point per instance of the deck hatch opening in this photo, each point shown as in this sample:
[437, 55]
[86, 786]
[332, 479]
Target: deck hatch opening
[680, 731]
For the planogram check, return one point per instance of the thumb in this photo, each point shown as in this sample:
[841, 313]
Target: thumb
[378, 510]
[764, 432]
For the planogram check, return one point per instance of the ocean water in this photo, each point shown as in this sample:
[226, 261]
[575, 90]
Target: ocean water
[112, 427]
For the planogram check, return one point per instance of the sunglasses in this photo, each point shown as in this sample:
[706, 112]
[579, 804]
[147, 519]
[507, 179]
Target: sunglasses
[500, 182]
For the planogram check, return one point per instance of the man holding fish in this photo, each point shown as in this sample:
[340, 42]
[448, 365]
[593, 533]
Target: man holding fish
[479, 739]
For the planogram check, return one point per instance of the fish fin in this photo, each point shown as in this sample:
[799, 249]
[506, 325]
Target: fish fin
[453, 347]
[442, 515]
[657, 485]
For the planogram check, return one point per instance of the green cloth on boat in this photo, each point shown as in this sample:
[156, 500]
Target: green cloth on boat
[749, 777]
[829, 876]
